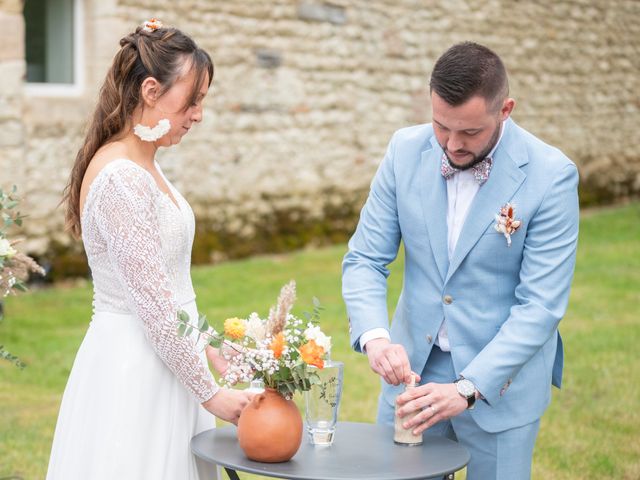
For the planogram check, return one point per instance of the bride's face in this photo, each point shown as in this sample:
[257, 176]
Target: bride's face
[176, 106]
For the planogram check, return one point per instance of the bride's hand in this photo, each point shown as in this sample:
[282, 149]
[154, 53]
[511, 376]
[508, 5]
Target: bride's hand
[228, 404]
[219, 363]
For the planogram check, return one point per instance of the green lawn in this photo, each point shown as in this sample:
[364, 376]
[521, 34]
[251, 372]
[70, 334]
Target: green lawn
[592, 429]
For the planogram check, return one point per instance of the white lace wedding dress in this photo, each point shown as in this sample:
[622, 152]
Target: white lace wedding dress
[132, 401]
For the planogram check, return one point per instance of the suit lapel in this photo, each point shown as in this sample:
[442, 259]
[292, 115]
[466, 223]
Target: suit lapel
[434, 204]
[504, 180]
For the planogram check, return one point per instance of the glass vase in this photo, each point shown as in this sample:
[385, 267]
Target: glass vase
[322, 402]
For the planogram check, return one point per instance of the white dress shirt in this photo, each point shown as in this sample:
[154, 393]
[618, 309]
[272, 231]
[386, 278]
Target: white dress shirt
[461, 190]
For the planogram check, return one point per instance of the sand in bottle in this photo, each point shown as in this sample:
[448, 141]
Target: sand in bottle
[405, 436]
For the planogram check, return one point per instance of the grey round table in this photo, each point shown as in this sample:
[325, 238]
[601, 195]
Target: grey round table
[359, 450]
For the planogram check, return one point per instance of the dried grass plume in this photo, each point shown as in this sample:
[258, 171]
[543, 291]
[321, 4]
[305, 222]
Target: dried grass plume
[17, 269]
[278, 314]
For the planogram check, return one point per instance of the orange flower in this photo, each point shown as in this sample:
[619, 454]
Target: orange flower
[234, 327]
[312, 353]
[277, 345]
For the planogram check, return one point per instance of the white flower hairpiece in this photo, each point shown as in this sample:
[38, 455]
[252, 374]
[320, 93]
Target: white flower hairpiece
[152, 25]
[148, 134]
[506, 223]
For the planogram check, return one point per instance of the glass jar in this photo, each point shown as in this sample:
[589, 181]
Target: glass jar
[405, 436]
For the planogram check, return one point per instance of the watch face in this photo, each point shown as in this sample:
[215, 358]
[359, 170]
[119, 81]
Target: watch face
[465, 388]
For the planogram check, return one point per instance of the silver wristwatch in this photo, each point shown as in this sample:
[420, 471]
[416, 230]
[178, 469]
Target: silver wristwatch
[466, 389]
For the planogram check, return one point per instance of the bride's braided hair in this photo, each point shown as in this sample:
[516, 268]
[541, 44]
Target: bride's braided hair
[161, 53]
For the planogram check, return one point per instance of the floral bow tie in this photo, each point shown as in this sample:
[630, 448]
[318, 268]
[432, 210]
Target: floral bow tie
[480, 170]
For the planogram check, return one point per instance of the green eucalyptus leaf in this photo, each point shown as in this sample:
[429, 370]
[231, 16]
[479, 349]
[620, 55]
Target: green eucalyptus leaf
[181, 329]
[8, 356]
[282, 374]
[203, 325]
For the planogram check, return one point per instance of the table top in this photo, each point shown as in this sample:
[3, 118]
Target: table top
[359, 450]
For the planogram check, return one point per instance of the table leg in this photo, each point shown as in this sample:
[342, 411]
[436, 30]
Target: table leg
[232, 474]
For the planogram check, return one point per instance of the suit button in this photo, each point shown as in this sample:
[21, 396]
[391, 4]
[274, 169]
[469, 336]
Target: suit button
[448, 299]
[429, 338]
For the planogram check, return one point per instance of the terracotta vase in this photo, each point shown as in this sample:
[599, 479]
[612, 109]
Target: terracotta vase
[270, 428]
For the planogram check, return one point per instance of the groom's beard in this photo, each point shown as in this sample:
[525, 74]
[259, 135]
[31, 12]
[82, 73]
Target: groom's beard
[475, 159]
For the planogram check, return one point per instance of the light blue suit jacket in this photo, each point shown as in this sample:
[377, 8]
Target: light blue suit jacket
[507, 301]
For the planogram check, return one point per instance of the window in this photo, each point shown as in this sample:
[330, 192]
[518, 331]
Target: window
[52, 45]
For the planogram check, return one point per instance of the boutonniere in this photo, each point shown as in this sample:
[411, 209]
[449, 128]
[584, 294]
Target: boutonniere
[506, 223]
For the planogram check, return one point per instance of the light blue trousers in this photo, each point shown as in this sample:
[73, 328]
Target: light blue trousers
[494, 456]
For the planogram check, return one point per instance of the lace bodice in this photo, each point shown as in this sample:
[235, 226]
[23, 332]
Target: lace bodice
[138, 243]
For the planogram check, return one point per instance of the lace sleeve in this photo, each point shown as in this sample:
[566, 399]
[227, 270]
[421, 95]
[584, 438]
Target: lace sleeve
[126, 218]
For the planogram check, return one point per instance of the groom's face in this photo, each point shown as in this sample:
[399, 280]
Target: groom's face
[468, 132]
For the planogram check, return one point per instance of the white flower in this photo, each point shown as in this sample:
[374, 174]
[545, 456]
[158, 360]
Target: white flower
[256, 328]
[6, 250]
[314, 333]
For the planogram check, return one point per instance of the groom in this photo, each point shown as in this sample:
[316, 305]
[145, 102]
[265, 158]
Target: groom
[488, 215]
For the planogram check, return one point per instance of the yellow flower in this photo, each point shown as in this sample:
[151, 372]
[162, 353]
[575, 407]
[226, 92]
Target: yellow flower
[234, 327]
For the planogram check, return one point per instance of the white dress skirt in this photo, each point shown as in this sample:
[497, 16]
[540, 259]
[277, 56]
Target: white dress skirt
[124, 414]
[133, 398]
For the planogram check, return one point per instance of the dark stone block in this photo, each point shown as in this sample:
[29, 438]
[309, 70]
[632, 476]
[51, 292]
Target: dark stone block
[322, 12]
[268, 58]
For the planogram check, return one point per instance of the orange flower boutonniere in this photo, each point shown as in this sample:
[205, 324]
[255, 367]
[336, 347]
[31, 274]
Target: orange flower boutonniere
[506, 223]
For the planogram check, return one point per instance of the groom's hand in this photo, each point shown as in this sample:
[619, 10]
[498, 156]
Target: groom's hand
[436, 402]
[389, 360]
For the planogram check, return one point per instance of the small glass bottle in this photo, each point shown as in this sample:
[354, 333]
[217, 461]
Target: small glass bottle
[256, 386]
[405, 436]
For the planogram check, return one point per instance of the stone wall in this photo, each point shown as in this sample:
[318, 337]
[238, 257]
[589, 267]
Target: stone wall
[307, 94]
[12, 135]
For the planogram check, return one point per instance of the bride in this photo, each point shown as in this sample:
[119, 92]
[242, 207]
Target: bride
[137, 392]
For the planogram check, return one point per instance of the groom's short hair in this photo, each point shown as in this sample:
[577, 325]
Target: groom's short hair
[468, 69]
